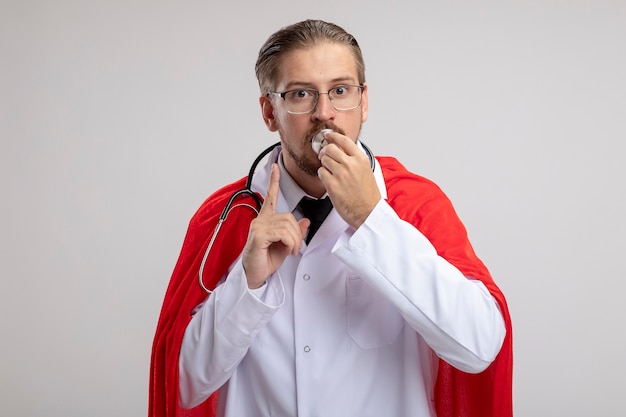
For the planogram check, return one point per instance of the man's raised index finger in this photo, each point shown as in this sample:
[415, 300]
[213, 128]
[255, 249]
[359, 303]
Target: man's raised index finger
[271, 195]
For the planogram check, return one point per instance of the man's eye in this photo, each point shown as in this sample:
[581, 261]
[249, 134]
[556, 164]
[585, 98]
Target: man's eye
[340, 91]
[300, 94]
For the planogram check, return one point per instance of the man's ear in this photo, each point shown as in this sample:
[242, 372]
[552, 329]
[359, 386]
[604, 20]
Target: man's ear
[267, 110]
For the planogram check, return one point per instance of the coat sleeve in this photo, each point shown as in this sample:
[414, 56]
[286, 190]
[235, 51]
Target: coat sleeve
[421, 202]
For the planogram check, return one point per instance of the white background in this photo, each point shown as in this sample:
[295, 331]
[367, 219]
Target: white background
[117, 119]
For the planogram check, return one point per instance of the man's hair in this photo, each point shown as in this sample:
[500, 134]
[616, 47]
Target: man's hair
[302, 35]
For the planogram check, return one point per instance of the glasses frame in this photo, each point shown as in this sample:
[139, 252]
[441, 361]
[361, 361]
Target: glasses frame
[282, 95]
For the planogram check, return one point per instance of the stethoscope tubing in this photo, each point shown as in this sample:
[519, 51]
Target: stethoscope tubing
[257, 200]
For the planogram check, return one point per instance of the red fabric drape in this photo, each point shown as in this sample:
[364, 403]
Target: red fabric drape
[416, 200]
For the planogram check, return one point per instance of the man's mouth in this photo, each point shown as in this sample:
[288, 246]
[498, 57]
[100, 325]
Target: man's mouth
[318, 141]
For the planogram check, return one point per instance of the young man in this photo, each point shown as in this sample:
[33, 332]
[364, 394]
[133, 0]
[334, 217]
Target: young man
[384, 311]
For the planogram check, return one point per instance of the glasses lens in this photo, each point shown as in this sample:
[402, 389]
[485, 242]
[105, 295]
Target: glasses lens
[345, 97]
[300, 101]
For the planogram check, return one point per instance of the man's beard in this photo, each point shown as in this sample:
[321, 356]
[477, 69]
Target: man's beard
[307, 164]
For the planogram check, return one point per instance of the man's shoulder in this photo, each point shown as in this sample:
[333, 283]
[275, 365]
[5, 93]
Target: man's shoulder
[213, 205]
[400, 180]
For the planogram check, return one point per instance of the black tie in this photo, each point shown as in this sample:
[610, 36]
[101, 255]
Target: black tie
[316, 211]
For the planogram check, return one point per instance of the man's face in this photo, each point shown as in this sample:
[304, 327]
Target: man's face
[321, 67]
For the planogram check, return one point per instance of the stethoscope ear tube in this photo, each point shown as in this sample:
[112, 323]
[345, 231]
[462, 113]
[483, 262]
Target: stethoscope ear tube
[257, 200]
[229, 206]
[256, 163]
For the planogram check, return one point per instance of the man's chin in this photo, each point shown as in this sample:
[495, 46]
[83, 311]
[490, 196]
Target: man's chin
[308, 168]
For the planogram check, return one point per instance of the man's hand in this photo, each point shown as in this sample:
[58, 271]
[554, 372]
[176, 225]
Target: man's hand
[271, 238]
[348, 178]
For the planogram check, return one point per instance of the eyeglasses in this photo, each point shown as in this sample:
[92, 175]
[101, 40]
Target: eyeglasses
[304, 100]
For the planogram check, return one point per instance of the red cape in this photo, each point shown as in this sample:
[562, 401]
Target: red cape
[416, 200]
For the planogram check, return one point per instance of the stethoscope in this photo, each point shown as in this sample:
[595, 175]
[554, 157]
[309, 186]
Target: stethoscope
[247, 190]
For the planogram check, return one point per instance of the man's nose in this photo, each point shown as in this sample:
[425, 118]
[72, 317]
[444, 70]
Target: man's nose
[324, 109]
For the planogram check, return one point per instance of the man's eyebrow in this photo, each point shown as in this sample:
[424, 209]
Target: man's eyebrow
[303, 84]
